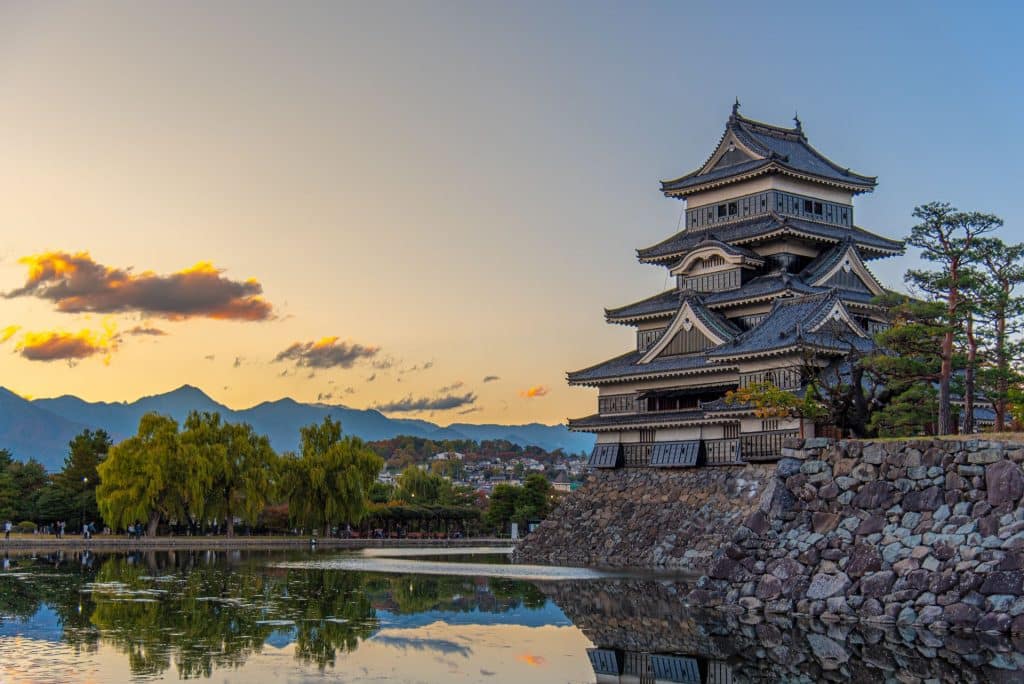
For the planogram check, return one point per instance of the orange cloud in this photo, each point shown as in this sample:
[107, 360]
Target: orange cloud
[75, 283]
[534, 392]
[8, 332]
[530, 659]
[58, 345]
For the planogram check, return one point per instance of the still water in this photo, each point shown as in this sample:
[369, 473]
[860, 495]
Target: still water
[276, 616]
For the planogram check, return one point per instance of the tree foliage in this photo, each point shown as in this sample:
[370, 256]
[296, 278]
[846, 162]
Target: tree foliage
[145, 477]
[232, 469]
[329, 481]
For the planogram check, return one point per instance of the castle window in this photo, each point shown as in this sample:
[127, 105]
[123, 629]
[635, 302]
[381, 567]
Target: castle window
[647, 436]
[732, 208]
[722, 210]
[769, 425]
[808, 206]
[731, 430]
[818, 208]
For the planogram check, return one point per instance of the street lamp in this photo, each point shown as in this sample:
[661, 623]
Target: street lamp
[85, 487]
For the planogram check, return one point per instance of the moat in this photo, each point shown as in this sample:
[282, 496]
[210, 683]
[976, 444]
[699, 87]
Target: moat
[262, 616]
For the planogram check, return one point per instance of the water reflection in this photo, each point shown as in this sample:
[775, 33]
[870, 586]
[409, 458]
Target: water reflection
[644, 631]
[174, 614]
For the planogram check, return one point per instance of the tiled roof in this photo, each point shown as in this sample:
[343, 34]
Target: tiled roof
[665, 302]
[626, 366]
[788, 325]
[597, 420]
[749, 230]
[725, 328]
[762, 286]
[785, 148]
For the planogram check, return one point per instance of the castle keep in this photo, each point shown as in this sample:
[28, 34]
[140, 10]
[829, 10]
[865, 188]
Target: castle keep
[771, 285]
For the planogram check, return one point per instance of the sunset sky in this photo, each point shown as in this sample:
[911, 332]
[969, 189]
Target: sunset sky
[424, 206]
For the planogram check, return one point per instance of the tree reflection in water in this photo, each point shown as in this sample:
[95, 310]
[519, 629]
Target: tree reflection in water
[205, 610]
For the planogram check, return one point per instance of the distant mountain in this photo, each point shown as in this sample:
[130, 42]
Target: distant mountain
[28, 431]
[42, 428]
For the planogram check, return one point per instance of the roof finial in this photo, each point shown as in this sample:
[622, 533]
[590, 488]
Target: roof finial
[736, 106]
[796, 120]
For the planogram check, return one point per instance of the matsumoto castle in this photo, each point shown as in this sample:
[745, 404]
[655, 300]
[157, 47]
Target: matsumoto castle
[770, 280]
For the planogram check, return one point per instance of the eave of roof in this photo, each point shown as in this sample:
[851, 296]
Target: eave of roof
[765, 227]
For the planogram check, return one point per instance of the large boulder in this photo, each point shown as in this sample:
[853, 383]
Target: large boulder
[875, 495]
[1004, 483]
[824, 586]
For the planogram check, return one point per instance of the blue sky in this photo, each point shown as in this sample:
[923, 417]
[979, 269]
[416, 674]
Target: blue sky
[456, 188]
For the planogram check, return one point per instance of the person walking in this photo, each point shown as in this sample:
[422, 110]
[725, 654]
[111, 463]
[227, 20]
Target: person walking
[7, 530]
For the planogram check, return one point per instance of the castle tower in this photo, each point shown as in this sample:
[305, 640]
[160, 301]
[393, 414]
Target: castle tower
[771, 285]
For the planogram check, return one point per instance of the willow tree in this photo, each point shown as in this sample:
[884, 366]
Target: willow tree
[231, 466]
[329, 481]
[145, 477]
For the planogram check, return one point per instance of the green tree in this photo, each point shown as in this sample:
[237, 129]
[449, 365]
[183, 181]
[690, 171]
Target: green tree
[1002, 309]
[232, 466]
[534, 499]
[907, 365]
[78, 479]
[145, 477]
[329, 481]
[418, 486]
[947, 238]
[502, 508]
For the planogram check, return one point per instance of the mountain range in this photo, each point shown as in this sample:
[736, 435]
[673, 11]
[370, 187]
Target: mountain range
[42, 428]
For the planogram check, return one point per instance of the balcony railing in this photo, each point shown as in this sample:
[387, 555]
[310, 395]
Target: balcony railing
[722, 451]
[637, 454]
[760, 446]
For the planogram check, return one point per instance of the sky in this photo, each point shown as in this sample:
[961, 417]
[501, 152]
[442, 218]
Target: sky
[424, 207]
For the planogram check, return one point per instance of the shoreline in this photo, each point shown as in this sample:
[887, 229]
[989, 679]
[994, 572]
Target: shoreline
[122, 543]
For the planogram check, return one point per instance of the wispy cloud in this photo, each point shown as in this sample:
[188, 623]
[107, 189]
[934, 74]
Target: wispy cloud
[491, 378]
[452, 387]
[465, 412]
[373, 376]
[238, 362]
[328, 352]
[411, 405]
[322, 396]
[75, 283]
[145, 330]
[534, 392]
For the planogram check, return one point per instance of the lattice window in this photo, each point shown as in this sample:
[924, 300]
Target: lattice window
[731, 430]
[647, 436]
[769, 425]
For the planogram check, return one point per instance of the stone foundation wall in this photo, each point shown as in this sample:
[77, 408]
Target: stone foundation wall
[649, 517]
[924, 533]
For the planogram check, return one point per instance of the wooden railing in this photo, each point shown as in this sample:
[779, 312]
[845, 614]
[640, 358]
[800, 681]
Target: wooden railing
[637, 454]
[722, 451]
[764, 445]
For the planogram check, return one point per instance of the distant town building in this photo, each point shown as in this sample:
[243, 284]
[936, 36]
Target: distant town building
[448, 456]
[770, 280]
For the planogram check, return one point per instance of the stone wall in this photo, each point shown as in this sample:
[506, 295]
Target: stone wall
[924, 533]
[649, 517]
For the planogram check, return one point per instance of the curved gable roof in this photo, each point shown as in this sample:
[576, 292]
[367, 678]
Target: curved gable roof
[773, 148]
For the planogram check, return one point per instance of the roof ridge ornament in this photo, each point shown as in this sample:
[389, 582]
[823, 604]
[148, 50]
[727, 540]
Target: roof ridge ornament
[799, 126]
[736, 107]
